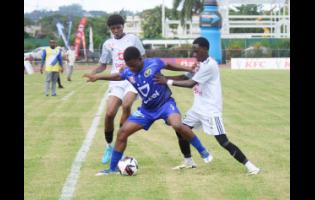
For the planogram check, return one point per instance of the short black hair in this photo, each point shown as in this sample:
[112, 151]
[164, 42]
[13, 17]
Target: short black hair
[115, 20]
[202, 42]
[131, 53]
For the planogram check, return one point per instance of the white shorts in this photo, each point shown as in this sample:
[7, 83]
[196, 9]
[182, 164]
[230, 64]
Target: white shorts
[120, 90]
[212, 125]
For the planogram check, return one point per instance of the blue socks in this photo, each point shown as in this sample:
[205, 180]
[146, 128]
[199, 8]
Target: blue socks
[116, 156]
[197, 144]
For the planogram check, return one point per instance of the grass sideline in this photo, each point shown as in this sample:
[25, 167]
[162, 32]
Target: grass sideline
[256, 117]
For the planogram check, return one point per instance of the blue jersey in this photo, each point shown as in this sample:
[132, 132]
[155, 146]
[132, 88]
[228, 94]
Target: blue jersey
[153, 95]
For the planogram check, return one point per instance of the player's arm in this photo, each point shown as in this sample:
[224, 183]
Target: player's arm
[180, 83]
[105, 58]
[60, 61]
[177, 67]
[99, 69]
[110, 77]
[43, 61]
[179, 77]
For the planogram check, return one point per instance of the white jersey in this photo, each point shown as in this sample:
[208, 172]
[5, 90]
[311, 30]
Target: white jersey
[207, 91]
[113, 51]
[71, 56]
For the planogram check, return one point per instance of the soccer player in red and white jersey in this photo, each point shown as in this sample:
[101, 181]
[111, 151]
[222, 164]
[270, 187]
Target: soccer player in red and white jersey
[120, 93]
[206, 111]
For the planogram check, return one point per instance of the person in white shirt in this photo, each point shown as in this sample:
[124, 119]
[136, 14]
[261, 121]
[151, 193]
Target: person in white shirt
[120, 93]
[70, 57]
[206, 111]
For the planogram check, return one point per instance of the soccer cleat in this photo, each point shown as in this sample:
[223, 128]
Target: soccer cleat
[208, 159]
[60, 86]
[106, 172]
[186, 165]
[254, 171]
[54, 95]
[107, 154]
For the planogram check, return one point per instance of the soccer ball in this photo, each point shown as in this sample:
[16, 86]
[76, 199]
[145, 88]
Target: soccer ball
[128, 166]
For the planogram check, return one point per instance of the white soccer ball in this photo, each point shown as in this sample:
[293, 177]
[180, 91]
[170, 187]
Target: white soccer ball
[128, 166]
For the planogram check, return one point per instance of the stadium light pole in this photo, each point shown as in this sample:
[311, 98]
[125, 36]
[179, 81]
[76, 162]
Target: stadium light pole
[210, 25]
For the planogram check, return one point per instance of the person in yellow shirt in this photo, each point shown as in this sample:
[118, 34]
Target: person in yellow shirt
[52, 60]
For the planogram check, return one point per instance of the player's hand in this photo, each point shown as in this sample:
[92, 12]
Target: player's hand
[160, 79]
[90, 77]
[61, 70]
[195, 67]
[41, 70]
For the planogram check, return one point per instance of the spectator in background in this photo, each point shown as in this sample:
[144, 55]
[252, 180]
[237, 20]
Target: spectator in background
[52, 60]
[70, 57]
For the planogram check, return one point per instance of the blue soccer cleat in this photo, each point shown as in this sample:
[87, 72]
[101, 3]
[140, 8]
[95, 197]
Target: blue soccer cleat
[106, 172]
[107, 154]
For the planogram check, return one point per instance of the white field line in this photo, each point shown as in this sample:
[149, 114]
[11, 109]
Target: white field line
[69, 185]
[67, 96]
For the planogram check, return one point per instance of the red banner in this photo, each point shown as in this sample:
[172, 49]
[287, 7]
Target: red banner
[79, 35]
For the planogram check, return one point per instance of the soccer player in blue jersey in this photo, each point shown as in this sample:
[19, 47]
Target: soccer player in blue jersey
[157, 103]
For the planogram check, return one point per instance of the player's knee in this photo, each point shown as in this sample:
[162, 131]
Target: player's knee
[110, 116]
[126, 108]
[179, 136]
[177, 127]
[121, 136]
[222, 140]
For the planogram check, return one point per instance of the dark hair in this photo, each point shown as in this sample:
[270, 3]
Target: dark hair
[202, 42]
[115, 20]
[131, 53]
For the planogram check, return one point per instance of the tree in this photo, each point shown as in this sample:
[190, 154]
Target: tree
[152, 21]
[28, 21]
[248, 9]
[189, 8]
[72, 10]
[152, 25]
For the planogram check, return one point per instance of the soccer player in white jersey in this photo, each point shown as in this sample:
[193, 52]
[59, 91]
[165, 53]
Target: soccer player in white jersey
[206, 111]
[120, 93]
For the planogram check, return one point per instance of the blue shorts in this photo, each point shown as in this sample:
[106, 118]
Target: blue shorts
[145, 117]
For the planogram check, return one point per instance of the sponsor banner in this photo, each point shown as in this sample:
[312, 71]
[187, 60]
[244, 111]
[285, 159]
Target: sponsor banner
[181, 61]
[260, 63]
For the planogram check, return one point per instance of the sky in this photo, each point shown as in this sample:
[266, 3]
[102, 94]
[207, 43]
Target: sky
[99, 5]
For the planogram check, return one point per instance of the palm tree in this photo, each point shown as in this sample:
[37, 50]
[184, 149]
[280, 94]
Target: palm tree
[190, 7]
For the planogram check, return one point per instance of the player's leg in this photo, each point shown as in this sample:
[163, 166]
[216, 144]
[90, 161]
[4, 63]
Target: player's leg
[135, 122]
[129, 98]
[184, 146]
[113, 103]
[59, 82]
[222, 139]
[191, 120]
[54, 78]
[124, 132]
[174, 120]
[47, 82]
[70, 70]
